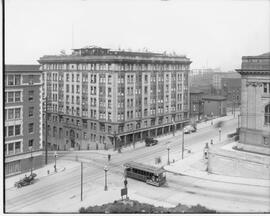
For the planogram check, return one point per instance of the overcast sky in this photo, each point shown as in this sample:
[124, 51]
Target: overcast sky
[213, 33]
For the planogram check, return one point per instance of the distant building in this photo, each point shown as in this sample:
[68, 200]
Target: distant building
[99, 98]
[209, 80]
[217, 79]
[196, 105]
[201, 79]
[231, 89]
[23, 112]
[214, 105]
[255, 104]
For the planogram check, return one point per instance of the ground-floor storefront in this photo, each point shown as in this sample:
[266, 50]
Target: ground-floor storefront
[22, 163]
[76, 139]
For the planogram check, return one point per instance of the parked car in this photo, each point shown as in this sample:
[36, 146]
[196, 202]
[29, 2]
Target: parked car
[149, 141]
[189, 129]
[27, 180]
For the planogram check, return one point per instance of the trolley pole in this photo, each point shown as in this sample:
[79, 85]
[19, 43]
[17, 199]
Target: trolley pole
[81, 181]
[183, 144]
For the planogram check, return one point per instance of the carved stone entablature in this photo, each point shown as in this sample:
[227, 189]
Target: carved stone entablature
[254, 84]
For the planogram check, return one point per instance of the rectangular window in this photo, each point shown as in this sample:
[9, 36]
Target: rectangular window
[30, 127]
[17, 147]
[11, 148]
[10, 97]
[10, 130]
[17, 130]
[31, 111]
[265, 87]
[30, 143]
[17, 96]
[10, 79]
[17, 113]
[31, 95]
[10, 114]
[17, 79]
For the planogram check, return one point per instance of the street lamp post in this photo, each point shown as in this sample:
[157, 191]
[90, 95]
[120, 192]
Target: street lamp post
[183, 144]
[168, 148]
[114, 137]
[31, 149]
[55, 155]
[81, 181]
[106, 170]
[219, 131]
[46, 131]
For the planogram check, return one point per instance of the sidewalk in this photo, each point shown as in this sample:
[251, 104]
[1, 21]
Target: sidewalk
[61, 165]
[195, 166]
[141, 144]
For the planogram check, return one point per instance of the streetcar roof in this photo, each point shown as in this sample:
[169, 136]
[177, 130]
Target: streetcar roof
[144, 167]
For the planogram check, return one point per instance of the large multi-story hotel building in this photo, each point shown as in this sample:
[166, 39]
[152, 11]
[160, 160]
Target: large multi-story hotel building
[23, 118]
[255, 104]
[99, 98]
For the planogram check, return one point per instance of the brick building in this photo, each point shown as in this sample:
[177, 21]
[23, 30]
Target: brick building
[196, 105]
[231, 89]
[23, 118]
[214, 105]
[255, 104]
[99, 98]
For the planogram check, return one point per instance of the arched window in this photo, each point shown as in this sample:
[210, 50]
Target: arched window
[267, 115]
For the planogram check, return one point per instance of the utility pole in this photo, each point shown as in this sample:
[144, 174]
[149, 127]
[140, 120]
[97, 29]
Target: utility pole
[183, 144]
[238, 121]
[81, 181]
[31, 149]
[46, 137]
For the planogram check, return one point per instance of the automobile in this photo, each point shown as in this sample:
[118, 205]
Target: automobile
[149, 141]
[189, 129]
[27, 180]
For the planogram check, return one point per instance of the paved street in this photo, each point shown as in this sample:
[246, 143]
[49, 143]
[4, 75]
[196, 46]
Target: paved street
[61, 192]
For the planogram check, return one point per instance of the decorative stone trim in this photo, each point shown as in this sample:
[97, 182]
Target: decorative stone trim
[254, 84]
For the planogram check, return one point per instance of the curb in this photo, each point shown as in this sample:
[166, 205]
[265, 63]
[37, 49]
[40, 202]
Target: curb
[216, 180]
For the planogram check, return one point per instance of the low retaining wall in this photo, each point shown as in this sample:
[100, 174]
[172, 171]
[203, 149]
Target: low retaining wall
[240, 164]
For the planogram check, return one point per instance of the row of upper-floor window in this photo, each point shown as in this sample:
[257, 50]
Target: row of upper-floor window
[13, 113]
[13, 130]
[13, 148]
[76, 77]
[93, 101]
[121, 90]
[16, 96]
[113, 66]
[102, 113]
[17, 79]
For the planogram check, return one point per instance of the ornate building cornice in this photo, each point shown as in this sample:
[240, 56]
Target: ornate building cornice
[254, 83]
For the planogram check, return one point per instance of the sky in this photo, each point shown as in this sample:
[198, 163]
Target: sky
[212, 33]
